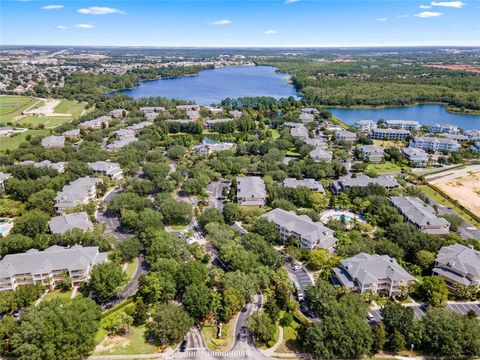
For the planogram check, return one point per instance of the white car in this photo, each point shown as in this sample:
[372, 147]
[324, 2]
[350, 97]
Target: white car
[300, 296]
[297, 267]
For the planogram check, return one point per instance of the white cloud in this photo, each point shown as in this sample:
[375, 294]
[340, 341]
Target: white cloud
[425, 7]
[428, 14]
[453, 4]
[52, 7]
[382, 19]
[62, 27]
[270, 32]
[84, 26]
[291, 1]
[99, 10]
[220, 22]
[401, 16]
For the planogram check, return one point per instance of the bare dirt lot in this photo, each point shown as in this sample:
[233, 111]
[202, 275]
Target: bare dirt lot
[462, 185]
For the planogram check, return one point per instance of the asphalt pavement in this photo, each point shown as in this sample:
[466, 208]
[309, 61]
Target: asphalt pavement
[215, 192]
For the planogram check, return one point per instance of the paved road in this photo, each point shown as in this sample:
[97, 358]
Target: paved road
[215, 191]
[300, 276]
[195, 339]
[111, 223]
[421, 309]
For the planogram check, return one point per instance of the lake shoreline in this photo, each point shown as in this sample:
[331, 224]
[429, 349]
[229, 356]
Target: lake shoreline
[449, 109]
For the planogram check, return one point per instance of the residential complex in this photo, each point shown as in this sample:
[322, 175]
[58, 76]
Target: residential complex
[107, 168]
[58, 166]
[403, 124]
[311, 184]
[78, 192]
[251, 191]
[207, 149]
[390, 134]
[421, 215]
[366, 126]
[345, 136]
[458, 265]
[319, 154]
[416, 157]
[98, 123]
[347, 182]
[312, 235]
[63, 223]
[49, 267]
[371, 153]
[53, 141]
[376, 273]
[434, 144]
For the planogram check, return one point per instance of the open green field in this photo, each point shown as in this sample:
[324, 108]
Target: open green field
[385, 168]
[70, 107]
[12, 142]
[12, 106]
[131, 268]
[437, 197]
[57, 294]
[47, 121]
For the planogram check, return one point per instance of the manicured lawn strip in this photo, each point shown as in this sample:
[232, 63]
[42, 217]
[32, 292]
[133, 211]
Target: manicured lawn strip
[135, 344]
[58, 294]
[219, 344]
[14, 99]
[7, 117]
[385, 168]
[12, 142]
[131, 268]
[443, 201]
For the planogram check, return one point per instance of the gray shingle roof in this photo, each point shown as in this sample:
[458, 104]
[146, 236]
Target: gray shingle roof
[64, 223]
[458, 257]
[250, 187]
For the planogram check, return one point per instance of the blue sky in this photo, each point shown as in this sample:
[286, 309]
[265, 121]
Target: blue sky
[267, 23]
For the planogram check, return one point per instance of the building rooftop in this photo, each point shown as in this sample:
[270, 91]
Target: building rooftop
[460, 258]
[64, 223]
[250, 187]
[53, 141]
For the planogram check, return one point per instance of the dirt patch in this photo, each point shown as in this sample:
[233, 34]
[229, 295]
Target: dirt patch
[463, 186]
[112, 343]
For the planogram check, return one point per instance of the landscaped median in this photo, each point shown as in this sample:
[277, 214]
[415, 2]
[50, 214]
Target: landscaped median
[221, 343]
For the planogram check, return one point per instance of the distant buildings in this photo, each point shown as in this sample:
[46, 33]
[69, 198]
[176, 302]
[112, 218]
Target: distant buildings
[434, 144]
[416, 157]
[121, 143]
[319, 154]
[299, 131]
[107, 168]
[212, 123]
[444, 128]
[317, 143]
[420, 215]
[152, 109]
[312, 235]
[123, 133]
[389, 134]
[371, 153]
[3, 177]
[366, 126]
[346, 136]
[72, 133]
[348, 182]
[377, 273]
[458, 264]
[236, 114]
[472, 134]
[251, 191]
[63, 223]
[311, 184]
[118, 113]
[60, 166]
[137, 127]
[207, 149]
[306, 117]
[403, 124]
[78, 192]
[53, 141]
[49, 267]
[98, 123]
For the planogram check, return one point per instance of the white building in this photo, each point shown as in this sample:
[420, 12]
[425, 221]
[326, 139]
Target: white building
[417, 157]
[389, 134]
[403, 124]
[251, 191]
[78, 192]
[434, 144]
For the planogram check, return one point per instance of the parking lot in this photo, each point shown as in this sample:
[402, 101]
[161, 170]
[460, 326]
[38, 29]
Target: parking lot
[300, 276]
[420, 310]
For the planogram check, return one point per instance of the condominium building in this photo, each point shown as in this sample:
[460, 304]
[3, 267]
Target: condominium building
[371, 153]
[421, 215]
[458, 264]
[312, 235]
[78, 192]
[389, 134]
[377, 273]
[444, 129]
[319, 154]
[98, 123]
[107, 168]
[53, 141]
[121, 143]
[361, 180]
[434, 144]
[59, 166]
[123, 133]
[403, 124]
[365, 126]
[311, 184]
[472, 134]
[299, 131]
[346, 136]
[251, 191]
[63, 223]
[208, 149]
[416, 157]
[118, 113]
[49, 267]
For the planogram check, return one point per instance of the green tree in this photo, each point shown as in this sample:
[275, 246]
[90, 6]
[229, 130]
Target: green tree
[58, 329]
[434, 290]
[31, 223]
[197, 300]
[106, 280]
[261, 326]
[129, 249]
[169, 324]
[210, 215]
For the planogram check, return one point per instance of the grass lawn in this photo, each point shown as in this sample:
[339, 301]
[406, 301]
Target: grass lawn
[289, 336]
[178, 227]
[225, 342]
[130, 344]
[271, 342]
[57, 294]
[70, 107]
[275, 134]
[389, 143]
[12, 106]
[48, 121]
[384, 168]
[12, 142]
[131, 268]
[442, 201]
[293, 154]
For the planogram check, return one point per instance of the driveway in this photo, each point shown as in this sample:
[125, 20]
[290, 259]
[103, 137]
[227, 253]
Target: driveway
[215, 191]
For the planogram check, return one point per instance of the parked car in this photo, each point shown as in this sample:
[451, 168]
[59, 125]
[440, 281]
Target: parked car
[297, 267]
[300, 296]
[183, 346]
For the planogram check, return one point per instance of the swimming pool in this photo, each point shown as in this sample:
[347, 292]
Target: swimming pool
[342, 215]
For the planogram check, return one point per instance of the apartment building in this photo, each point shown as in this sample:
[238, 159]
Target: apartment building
[365, 126]
[403, 124]
[421, 215]
[107, 168]
[53, 141]
[434, 144]
[59, 166]
[63, 223]
[361, 180]
[49, 267]
[319, 154]
[251, 191]
[98, 123]
[416, 157]
[377, 273]
[390, 134]
[458, 264]
[311, 184]
[78, 192]
[208, 149]
[346, 136]
[444, 129]
[371, 153]
[312, 235]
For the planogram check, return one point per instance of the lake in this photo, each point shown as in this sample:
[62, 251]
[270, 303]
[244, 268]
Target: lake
[212, 86]
[427, 114]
